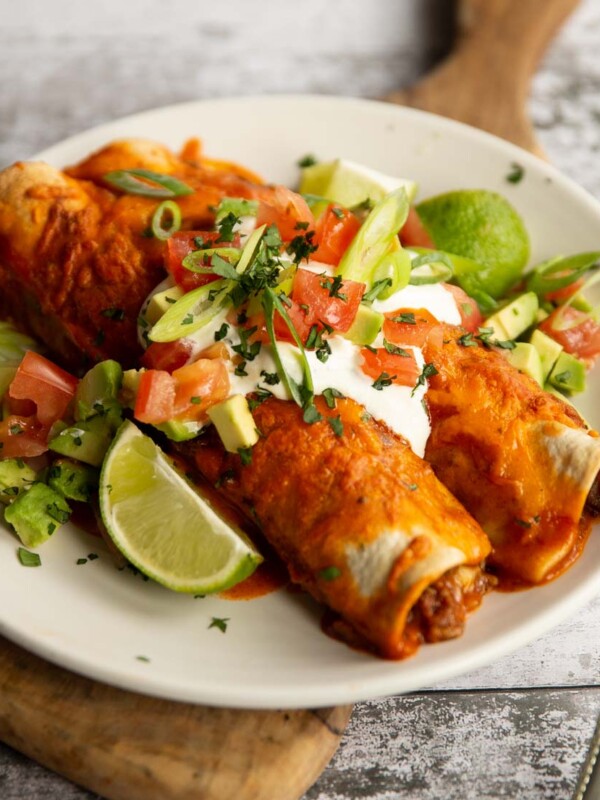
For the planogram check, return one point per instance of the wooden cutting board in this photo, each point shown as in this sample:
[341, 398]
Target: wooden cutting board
[126, 746]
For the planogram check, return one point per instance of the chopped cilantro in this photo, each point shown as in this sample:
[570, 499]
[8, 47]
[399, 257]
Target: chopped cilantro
[336, 424]
[259, 395]
[15, 430]
[330, 573]
[81, 561]
[224, 477]
[247, 350]
[330, 396]
[375, 290]
[270, 378]
[117, 314]
[337, 212]
[407, 317]
[466, 340]
[301, 247]
[307, 161]
[220, 623]
[188, 319]
[195, 400]
[240, 370]
[245, 454]
[59, 514]
[428, 371]
[145, 659]
[311, 414]
[333, 286]
[516, 173]
[383, 380]
[226, 226]
[394, 350]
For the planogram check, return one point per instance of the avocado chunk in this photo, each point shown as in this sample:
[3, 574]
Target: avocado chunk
[85, 441]
[179, 431]
[234, 423]
[510, 321]
[129, 387]
[72, 480]
[526, 359]
[548, 350]
[37, 513]
[97, 393]
[367, 324]
[568, 374]
[15, 475]
[161, 302]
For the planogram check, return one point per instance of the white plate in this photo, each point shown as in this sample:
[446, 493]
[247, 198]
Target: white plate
[98, 621]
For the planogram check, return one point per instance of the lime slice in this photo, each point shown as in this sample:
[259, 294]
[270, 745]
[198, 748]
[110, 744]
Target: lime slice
[349, 184]
[165, 527]
[481, 226]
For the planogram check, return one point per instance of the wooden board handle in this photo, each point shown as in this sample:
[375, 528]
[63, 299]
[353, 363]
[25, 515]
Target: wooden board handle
[485, 81]
[130, 747]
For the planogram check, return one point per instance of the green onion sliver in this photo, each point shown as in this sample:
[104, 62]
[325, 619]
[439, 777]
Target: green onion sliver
[238, 206]
[557, 273]
[395, 268]
[301, 394]
[167, 209]
[192, 311]
[560, 323]
[147, 183]
[429, 268]
[250, 249]
[195, 261]
[374, 238]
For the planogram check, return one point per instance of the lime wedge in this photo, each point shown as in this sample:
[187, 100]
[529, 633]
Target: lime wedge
[349, 184]
[163, 526]
[481, 226]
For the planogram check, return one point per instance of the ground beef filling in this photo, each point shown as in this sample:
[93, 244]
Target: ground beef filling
[441, 611]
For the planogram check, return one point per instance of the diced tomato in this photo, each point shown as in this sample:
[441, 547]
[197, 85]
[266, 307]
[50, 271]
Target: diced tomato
[199, 386]
[155, 400]
[314, 292]
[335, 229]
[414, 233]
[285, 209]
[182, 244]
[22, 437]
[402, 370]
[471, 317]
[48, 386]
[581, 337]
[400, 328]
[168, 356]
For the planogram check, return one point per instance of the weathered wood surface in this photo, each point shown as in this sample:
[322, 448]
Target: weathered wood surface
[67, 66]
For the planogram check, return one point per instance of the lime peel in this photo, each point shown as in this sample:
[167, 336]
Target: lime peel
[163, 525]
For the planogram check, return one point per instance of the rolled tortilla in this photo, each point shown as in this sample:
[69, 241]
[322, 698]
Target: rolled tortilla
[361, 522]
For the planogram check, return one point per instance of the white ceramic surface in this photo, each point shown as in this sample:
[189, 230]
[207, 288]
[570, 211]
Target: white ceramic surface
[98, 621]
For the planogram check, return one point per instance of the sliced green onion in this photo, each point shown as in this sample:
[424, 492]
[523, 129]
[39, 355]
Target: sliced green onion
[238, 206]
[147, 183]
[374, 238]
[557, 273]
[192, 311]
[559, 322]
[430, 268]
[315, 200]
[303, 393]
[168, 208]
[395, 267]
[470, 275]
[250, 249]
[195, 261]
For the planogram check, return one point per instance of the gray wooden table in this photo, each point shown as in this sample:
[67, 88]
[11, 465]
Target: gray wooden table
[516, 729]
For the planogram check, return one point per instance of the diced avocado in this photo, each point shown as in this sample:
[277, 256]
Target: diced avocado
[129, 387]
[349, 184]
[179, 431]
[161, 302]
[526, 358]
[85, 441]
[367, 324]
[541, 315]
[97, 393]
[72, 480]
[568, 374]
[14, 476]
[37, 513]
[234, 423]
[548, 350]
[514, 318]
[7, 373]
